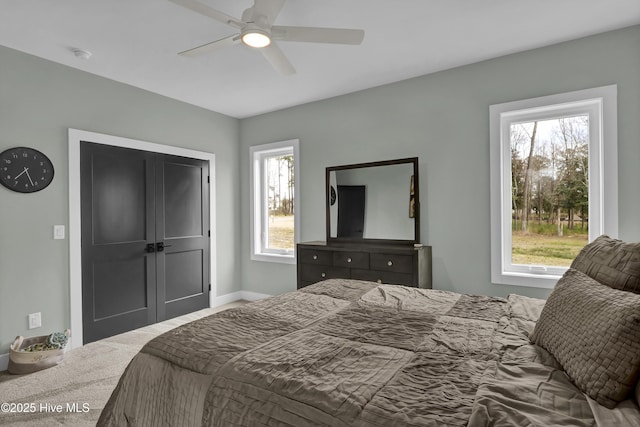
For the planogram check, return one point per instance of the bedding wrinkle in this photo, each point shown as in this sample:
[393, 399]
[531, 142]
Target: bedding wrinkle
[336, 376]
[378, 325]
[185, 389]
[459, 336]
[433, 389]
[531, 395]
[345, 289]
[625, 414]
[525, 308]
[433, 302]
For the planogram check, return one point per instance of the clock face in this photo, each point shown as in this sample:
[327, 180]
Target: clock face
[25, 170]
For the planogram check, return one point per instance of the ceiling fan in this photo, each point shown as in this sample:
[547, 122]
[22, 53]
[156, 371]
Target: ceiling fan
[256, 30]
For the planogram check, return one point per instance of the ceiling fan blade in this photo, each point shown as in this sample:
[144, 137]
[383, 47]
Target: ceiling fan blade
[210, 47]
[209, 11]
[276, 58]
[268, 8]
[317, 35]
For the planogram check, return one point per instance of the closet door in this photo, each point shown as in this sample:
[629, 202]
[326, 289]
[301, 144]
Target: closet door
[182, 235]
[145, 238]
[118, 224]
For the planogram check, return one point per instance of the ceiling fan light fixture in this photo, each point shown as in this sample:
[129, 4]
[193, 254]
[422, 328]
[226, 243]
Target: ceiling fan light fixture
[256, 37]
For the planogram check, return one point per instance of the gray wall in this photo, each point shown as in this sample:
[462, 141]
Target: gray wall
[443, 118]
[39, 101]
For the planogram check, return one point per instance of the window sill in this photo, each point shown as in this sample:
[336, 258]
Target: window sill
[530, 280]
[277, 258]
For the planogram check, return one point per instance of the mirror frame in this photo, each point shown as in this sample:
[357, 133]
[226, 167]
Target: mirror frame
[416, 191]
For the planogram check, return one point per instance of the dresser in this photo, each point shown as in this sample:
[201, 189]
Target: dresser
[391, 264]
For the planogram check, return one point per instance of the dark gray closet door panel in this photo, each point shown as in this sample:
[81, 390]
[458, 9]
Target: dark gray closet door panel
[184, 275]
[119, 202]
[182, 226]
[117, 211]
[183, 210]
[112, 279]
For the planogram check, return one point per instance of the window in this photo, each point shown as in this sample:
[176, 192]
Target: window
[274, 197]
[553, 182]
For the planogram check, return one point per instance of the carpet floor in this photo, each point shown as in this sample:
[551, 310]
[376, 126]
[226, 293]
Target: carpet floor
[74, 392]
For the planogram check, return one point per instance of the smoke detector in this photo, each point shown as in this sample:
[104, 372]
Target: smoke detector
[80, 53]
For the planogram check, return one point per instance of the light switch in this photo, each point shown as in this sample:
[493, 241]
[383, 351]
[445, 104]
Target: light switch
[58, 232]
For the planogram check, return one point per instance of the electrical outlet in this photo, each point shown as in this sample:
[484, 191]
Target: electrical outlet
[35, 320]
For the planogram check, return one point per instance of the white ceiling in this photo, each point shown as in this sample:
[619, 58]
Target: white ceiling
[136, 42]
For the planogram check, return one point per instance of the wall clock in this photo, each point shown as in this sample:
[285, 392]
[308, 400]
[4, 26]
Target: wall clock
[25, 170]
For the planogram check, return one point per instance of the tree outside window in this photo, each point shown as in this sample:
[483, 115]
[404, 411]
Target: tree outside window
[281, 202]
[550, 190]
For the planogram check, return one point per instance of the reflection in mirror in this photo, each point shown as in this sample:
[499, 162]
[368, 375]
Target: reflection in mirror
[372, 202]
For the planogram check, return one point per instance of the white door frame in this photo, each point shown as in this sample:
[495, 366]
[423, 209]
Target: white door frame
[75, 250]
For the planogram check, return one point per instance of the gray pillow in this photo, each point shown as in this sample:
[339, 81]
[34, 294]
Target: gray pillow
[593, 331]
[611, 262]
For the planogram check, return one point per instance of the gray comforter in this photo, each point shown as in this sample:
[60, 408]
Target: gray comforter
[351, 353]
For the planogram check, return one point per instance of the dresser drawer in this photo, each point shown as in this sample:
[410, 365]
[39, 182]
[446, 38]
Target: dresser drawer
[351, 259]
[387, 277]
[312, 256]
[315, 273]
[392, 262]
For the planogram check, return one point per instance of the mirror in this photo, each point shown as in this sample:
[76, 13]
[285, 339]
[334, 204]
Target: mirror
[374, 202]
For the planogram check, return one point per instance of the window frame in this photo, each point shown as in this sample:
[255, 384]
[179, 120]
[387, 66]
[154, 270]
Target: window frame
[601, 105]
[259, 203]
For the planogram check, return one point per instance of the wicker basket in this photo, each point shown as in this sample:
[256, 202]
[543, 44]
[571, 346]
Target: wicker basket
[24, 362]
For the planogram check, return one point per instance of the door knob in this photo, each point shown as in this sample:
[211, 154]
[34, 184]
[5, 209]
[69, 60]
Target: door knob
[160, 246]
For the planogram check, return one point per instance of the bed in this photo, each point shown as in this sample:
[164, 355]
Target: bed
[355, 353]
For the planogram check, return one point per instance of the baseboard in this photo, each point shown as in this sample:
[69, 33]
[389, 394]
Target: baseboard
[226, 299]
[4, 362]
[253, 296]
[237, 296]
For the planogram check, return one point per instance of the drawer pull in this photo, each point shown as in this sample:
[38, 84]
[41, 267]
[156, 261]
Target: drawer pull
[389, 263]
[348, 259]
[315, 257]
[323, 275]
